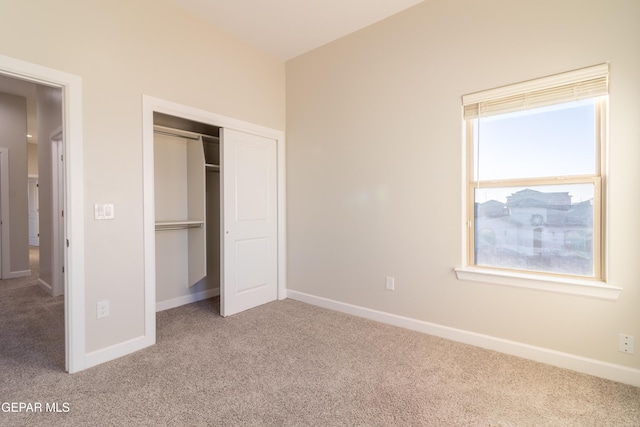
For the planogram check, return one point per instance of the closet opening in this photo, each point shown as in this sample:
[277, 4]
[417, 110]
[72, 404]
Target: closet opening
[229, 244]
[188, 203]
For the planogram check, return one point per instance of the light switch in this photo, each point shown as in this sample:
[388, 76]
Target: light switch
[104, 211]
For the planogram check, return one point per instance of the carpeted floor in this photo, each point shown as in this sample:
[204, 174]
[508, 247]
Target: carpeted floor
[288, 364]
[22, 282]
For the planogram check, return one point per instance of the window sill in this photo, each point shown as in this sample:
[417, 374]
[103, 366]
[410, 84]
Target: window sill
[585, 288]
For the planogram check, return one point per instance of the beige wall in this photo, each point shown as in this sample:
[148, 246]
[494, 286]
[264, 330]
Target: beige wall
[13, 135]
[374, 156]
[122, 50]
[32, 159]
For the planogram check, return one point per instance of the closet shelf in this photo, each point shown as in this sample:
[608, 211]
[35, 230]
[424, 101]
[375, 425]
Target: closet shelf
[212, 167]
[178, 225]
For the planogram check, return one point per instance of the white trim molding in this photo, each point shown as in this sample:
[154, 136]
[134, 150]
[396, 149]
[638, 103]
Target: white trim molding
[5, 228]
[17, 274]
[186, 299]
[115, 351]
[74, 302]
[561, 285]
[584, 365]
[45, 286]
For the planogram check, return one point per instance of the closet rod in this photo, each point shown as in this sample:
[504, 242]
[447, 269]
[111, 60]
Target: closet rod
[163, 130]
[177, 226]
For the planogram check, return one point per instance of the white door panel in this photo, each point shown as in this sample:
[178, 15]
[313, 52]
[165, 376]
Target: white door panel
[252, 165]
[33, 212]
[249, 224]
[254, 252]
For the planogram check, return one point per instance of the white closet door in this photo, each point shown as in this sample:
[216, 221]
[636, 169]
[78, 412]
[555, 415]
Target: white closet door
[249, 221]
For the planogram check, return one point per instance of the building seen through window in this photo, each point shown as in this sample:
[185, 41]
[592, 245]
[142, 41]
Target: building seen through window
[536, 230]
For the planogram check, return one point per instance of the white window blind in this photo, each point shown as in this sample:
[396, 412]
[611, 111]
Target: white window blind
[571, 86]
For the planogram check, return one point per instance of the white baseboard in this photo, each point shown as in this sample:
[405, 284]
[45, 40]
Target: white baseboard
[116, 351]
[16, 274]
[187, 299]
[44, 285]
[122, 349]
[584, 365]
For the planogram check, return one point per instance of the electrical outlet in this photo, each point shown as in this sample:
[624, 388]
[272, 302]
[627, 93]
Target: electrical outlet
[102, 309]
[391, 283]
[626, 344]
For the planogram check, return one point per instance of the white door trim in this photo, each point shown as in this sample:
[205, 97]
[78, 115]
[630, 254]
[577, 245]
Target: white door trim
[151, 105]
[56, 139]
[34, 226]
[71, 86]
[5, 249]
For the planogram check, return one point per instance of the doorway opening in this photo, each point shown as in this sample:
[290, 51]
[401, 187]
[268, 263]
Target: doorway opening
[31, 111]
[252, 205]
[58, 105]
[187, 211]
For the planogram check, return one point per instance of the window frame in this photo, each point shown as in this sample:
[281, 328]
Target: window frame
[592, 286]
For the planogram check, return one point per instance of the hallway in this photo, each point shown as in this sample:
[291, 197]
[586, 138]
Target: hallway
[31, 323]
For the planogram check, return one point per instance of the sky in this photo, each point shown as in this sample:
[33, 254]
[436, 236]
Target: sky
[542, 142]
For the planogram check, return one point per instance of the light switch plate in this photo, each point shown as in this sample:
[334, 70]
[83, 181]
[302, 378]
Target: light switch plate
[104, 211]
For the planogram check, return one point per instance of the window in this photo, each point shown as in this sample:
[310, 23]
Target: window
[535, 160]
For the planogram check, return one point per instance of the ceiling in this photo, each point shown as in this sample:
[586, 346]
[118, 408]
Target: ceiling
[288, 28]
[283, 28]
